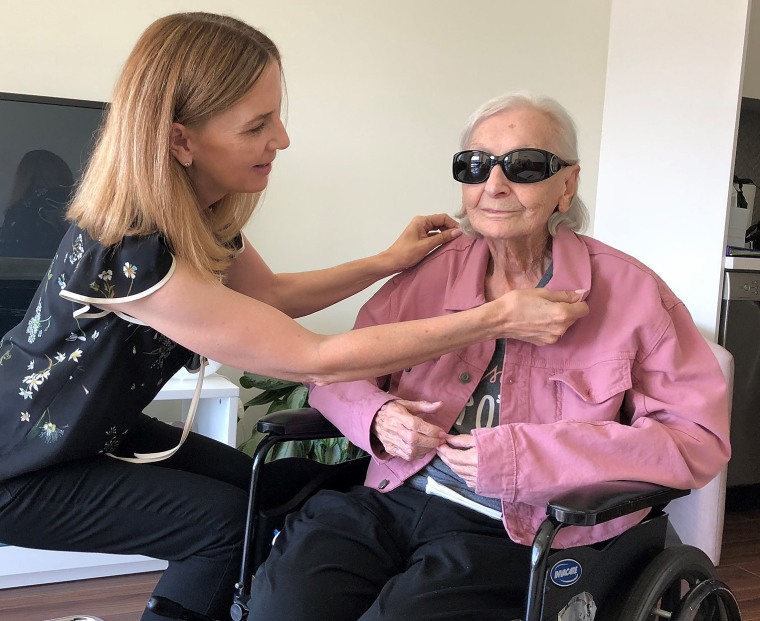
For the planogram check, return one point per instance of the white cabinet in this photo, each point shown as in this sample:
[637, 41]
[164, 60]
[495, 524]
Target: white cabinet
[216, 417]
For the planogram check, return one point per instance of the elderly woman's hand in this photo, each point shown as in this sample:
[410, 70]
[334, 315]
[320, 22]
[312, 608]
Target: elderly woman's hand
[421, 235]
[402, 433]
[460, 453]
[540, 316]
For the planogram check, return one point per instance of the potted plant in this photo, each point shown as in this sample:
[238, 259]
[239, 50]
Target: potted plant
[287, 395]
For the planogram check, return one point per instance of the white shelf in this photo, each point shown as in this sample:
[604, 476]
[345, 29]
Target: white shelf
[214, 387]
[747, 264]
[216, 418]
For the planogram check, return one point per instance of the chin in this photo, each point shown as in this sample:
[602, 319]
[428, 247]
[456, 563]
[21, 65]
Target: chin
[494, 230]
[252, 188]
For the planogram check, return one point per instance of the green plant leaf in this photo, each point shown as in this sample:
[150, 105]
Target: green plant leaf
[280, 404]
[268, 396]
[263, 382]
[299, 397]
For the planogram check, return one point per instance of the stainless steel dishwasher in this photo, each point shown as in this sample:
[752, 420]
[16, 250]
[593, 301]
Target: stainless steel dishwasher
[740, 334]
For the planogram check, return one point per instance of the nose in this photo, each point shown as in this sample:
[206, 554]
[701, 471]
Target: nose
[280, 140]
[497, 182]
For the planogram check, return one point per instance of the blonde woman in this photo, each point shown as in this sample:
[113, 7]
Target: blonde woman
[154, 268]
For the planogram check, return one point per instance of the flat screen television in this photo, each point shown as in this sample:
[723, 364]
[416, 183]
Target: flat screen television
[45, 143]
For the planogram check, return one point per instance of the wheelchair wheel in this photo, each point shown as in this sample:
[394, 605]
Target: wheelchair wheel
[657, 593]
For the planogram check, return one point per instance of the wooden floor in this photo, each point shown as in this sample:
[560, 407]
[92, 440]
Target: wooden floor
[740, 561]
[122, 598]
[119, 598]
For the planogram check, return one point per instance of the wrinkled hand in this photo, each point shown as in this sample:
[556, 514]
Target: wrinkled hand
[461, 455]
[540, 316]
[421, 235]
[402, 433]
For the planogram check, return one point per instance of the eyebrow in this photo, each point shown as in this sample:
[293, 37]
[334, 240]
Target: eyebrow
[257, 119]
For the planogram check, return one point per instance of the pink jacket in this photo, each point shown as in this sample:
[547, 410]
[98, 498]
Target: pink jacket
[631, 391]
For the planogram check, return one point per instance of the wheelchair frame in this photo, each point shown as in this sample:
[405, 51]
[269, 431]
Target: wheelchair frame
[636, 552]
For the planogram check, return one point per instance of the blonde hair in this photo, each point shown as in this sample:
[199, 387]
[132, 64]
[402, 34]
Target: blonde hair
[185, 68]
[575, 218]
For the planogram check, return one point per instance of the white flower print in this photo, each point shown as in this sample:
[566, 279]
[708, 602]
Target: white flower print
[165, 347]
[95, 335]
[62, 281]
[113, 439]
[106, 275]
[34, 381]
[77, 250]
[130, 271]
[30, 366]
[50, 433]
[76, 337]
[37, 325]
[75, 355]
[24, 417]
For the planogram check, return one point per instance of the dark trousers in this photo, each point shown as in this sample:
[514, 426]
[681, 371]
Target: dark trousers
[402, 555]
[189, 510]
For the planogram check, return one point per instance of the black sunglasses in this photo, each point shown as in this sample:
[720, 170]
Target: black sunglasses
[519, 166]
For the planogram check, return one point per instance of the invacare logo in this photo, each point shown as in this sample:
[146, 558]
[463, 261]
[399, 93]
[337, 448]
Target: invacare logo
[566, 572]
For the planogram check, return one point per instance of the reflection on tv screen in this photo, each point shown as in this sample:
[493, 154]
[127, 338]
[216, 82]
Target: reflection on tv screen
[44, 147]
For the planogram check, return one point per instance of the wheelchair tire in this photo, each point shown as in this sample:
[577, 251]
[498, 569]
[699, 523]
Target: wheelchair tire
[663, 583]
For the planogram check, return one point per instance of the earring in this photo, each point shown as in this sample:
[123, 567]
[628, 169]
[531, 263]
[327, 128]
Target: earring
[187, 164]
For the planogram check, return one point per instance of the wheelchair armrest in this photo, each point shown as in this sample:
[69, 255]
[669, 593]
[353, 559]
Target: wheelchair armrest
[300, 423]
[598, 503]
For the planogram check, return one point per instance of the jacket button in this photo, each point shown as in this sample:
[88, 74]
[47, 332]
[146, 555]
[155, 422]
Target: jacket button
[464, 377]
[383, 484]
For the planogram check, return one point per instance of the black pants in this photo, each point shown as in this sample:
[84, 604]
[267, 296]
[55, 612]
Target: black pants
[402, 555]
[189, 510]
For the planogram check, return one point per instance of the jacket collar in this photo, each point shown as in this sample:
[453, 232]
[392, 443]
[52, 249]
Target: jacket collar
[572, 263]
[570, 256]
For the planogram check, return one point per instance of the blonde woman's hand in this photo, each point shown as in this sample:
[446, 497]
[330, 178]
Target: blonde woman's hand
[540, 316]
[421, 235]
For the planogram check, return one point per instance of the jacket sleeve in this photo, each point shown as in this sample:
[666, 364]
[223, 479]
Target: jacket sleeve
[676, 433]
[351, 406]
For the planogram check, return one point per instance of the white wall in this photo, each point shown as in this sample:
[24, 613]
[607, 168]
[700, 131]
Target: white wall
[752, 60]
[668, 136]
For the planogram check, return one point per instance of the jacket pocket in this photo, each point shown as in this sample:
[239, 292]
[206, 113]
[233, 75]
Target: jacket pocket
[593, 393]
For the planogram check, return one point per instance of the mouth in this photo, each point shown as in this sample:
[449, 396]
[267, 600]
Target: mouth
[500, 213]
[263, 168]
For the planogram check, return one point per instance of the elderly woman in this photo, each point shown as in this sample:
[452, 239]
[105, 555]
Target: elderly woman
[631, 391]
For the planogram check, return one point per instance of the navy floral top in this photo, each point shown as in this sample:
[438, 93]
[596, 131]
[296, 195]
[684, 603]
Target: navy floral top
[73, 378]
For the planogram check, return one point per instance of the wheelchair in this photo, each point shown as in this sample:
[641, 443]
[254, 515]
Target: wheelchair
[632, 577]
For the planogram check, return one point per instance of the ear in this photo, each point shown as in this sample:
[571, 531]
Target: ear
[571, 187]
[179, 143]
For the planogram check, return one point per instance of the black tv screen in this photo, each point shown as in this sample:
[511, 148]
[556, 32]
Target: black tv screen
[45, 143]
